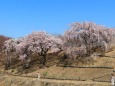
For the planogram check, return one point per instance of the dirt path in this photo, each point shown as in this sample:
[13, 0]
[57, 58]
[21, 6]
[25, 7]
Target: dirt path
[48, 82]
[75, 82]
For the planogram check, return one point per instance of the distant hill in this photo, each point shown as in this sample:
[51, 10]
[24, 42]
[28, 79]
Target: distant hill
[2, 40]
[2, 56]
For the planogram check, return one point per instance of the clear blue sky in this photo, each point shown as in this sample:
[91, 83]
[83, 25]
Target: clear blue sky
[20, 17]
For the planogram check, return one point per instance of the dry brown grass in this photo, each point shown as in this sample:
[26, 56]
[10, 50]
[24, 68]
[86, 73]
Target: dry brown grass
[99, 74]
[72, 73]
[24, 81]
[107, 61]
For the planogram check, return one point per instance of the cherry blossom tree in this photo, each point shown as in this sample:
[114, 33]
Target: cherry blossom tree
[81, 40]
[17, 48]
[35, 43]
[42, 42]
[10, 48]
[88, 36]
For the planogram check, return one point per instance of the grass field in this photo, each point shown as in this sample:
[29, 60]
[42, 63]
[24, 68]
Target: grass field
[94, 74]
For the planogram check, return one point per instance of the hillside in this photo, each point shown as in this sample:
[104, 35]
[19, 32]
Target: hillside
[2, 55]
[2, 40]
[93, 74]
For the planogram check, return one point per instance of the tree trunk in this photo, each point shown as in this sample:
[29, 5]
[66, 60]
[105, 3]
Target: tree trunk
[44, 59]
[8, 63]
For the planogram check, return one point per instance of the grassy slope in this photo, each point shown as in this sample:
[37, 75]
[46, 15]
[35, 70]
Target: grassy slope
[97, 74]
[102, 74]
[23, 81]
[108, 60]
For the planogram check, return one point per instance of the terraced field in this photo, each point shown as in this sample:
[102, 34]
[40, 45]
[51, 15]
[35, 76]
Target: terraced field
[24, 81]
[96, 74]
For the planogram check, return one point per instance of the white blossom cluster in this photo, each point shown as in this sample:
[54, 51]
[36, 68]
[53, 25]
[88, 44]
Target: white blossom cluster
[81, 39]
[36, 42]
[87, 36]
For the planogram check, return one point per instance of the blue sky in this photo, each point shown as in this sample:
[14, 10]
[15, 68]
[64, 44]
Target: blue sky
[20, 17]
